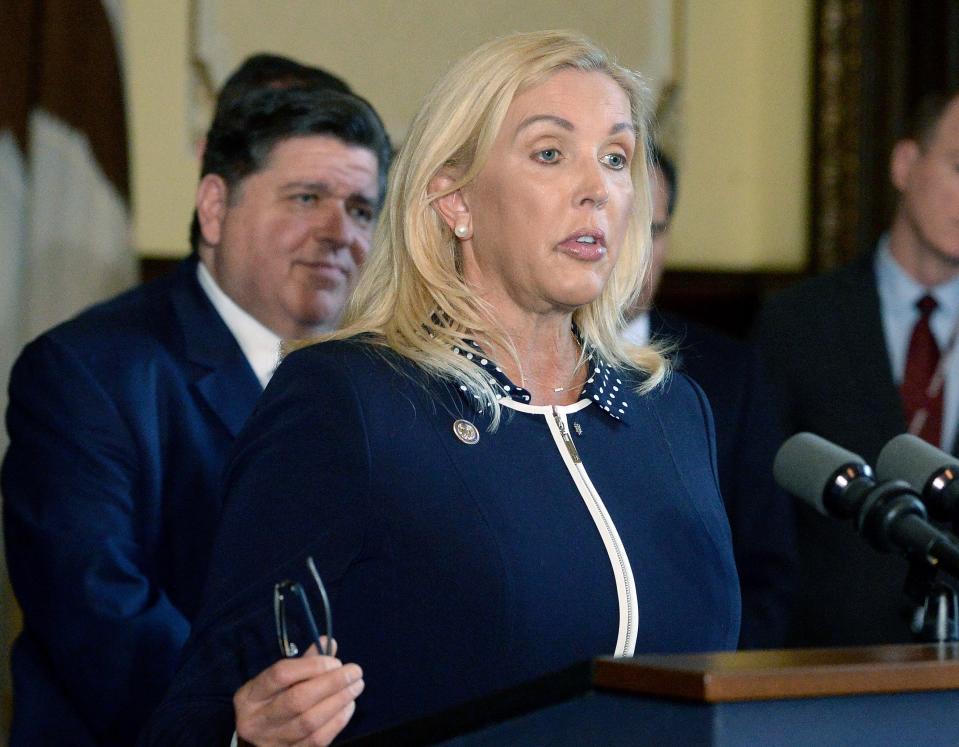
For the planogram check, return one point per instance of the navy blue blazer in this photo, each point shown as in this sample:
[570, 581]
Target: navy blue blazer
[120, 421]
[748, 435]
[454, 570]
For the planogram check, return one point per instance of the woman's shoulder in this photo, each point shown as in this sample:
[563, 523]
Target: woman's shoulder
[316, 353]
[362, 353]
[677, 395]
[675, 384]
[360, 364]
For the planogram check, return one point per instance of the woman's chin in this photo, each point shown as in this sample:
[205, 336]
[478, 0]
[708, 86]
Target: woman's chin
[574, 298]
[589, 288]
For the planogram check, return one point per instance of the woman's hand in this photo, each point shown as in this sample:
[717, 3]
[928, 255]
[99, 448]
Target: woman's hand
[303, 701]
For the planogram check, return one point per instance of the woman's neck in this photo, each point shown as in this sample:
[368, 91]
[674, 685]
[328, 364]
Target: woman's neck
[549, 364]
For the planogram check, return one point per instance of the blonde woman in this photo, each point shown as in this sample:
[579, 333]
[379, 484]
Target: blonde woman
[492, 485]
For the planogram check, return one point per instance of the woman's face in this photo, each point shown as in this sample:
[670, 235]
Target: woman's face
[550, 208]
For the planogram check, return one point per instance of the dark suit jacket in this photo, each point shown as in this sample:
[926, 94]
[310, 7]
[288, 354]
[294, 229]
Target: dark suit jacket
[826, 355]
[747, 437]
[454, 569]
[119, 425]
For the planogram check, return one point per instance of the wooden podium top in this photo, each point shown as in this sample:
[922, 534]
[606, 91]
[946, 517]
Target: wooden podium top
[706, 679]
[786, 673]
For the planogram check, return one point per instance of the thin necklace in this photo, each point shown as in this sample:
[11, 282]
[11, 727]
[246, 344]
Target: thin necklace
[570, 383]
[572, 376]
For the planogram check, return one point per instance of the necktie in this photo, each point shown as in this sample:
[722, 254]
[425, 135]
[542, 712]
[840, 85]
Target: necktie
[921, 390]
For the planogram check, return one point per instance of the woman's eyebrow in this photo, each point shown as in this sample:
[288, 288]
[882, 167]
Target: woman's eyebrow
[567, 125]
[558, 121]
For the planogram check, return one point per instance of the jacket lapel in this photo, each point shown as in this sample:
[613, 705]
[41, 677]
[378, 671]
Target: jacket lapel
[223, 378]
[863, 345]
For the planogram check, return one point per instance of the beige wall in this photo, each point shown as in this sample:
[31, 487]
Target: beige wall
[390, 51]
[162, 160]
[739, 136]
[743, 136]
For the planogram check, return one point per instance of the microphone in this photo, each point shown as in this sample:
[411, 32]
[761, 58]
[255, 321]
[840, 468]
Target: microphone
[834, 481]
[931, 471]
[840, 483]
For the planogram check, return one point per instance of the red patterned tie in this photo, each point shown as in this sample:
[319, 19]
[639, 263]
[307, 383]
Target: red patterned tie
[921, 395]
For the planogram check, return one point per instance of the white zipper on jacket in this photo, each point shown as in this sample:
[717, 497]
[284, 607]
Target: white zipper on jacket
[622, 572]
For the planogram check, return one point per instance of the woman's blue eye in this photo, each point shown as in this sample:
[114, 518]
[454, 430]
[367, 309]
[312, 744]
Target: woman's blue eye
[615, 160]
[550, 155]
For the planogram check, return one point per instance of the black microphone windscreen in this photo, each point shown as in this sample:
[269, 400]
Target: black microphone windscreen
[806, 463]
[908, 457]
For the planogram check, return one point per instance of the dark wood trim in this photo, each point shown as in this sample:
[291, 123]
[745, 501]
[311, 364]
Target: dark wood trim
[725, 300]
[874, 60]
[835, 132]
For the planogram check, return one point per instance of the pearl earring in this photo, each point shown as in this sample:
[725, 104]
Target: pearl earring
[461, 230]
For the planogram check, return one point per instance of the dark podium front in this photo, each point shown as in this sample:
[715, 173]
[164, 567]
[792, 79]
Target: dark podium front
[883, 695]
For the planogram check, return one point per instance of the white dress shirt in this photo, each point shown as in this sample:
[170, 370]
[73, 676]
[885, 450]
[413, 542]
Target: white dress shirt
[260, 345]
[637, 331]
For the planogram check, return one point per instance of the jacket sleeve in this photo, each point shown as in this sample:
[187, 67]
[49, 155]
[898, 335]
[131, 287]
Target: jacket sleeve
[77, 518]
[297, 485]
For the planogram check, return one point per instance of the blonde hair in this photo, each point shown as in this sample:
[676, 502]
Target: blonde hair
[411, 296]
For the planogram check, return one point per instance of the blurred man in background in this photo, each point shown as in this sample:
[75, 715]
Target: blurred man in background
[863, 354]
[120, 420]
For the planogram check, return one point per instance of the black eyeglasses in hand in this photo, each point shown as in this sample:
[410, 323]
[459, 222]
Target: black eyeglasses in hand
[285, 589]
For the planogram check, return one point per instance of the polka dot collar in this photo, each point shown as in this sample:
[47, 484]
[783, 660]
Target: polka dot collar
[603, 386]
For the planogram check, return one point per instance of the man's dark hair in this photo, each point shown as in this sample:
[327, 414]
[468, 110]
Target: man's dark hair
[273, 71]
[244, 133]
[665, 164]
[921, 126]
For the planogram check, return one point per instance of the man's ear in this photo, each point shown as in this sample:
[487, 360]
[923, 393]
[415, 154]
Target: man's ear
[452, 207]
[212, 196]
[905, 153]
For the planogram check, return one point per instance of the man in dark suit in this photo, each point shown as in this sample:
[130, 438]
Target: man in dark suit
[839, 349]
[120, 420]
[747, 437]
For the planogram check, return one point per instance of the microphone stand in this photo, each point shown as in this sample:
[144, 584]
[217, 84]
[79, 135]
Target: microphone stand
[936, 618]
[891, 516]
